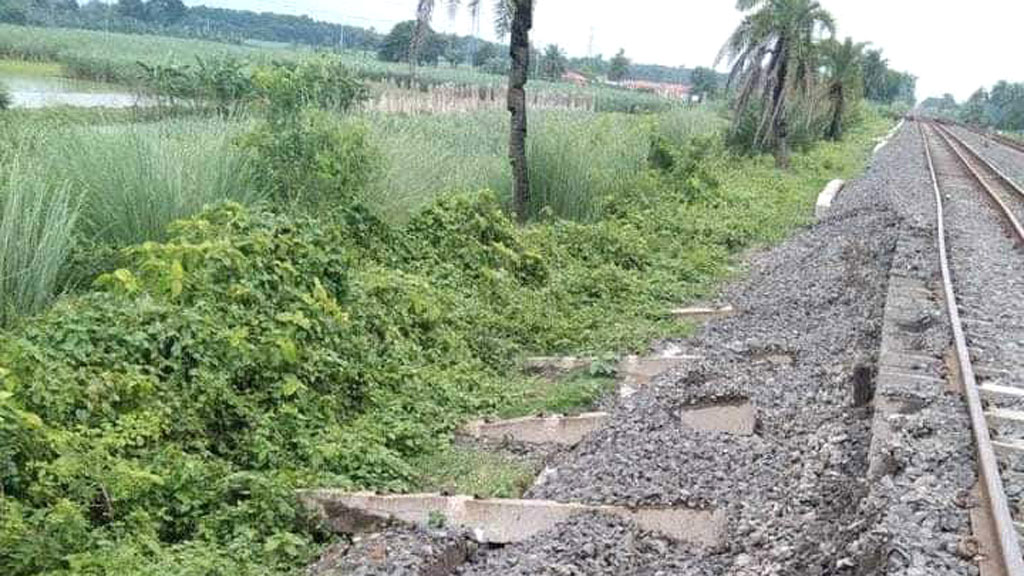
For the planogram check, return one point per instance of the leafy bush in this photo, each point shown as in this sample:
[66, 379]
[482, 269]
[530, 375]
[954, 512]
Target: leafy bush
[286, 89]
[5, 98]
[314, 160]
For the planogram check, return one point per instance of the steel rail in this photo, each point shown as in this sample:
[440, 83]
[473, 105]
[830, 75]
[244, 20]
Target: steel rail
[1012, 219]
[974, 152]
[1009, 550]
[996, 137]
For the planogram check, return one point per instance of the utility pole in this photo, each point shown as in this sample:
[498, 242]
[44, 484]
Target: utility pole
[590, 44]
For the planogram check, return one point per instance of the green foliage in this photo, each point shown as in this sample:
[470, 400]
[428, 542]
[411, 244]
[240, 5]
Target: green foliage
[705, 83]
[5, 98]
[618, 68]
[37, 222]
[313, 160]
[395, 46]
[476, 472]
[553, 64]
[322, 83]
[1001, 108]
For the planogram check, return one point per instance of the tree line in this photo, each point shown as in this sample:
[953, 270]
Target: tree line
[172, 17]
[1002, 107]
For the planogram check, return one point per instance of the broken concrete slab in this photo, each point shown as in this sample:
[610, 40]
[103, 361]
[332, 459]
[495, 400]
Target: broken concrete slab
[498, 521]
[739, 417]
[565, 430]
[702, 313]
[827, 196]
[635, 372]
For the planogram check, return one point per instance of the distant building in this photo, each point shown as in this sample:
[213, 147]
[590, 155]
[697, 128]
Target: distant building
[668, 90]
[575, 78]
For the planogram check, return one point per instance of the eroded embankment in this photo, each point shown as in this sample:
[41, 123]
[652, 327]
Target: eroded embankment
[803, 348]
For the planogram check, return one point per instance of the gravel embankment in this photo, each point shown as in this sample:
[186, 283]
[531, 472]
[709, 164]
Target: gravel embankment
[797, 492]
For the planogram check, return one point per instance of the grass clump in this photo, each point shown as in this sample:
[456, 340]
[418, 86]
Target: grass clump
[135, 179]
[37, 224]
[571, 395]
[483, 474]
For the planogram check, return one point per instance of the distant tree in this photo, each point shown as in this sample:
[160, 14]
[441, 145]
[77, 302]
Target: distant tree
[844, 80]
[874, 68]
[484, 53]
[131, 9]
[773, 56]
[516, 18]
[165, 12]
[395, 46]
[975, 110]
[14, 12]
[553, 63]
[705, 83]
[451, 51]
[618, 68]
[591, 66]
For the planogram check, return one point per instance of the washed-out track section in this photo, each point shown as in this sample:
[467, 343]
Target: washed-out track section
[979, 236]
[435, 534]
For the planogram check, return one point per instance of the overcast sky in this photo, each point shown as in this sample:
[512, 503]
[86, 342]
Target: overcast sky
[952, 46]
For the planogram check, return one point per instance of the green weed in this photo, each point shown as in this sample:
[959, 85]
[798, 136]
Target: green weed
[37, 224]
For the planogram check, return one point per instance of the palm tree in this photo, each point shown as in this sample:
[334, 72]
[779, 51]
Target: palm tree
[843, 62]
[516, 17]
[773, 52]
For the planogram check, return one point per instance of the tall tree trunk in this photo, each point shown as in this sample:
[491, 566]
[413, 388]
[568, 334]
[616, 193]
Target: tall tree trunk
[780, 124]
[522, 21]
[835, 129]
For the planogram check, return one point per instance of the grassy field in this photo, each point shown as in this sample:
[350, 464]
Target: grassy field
[183, 347]
[114, 57]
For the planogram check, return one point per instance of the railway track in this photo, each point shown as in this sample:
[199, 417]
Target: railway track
[1006, 141]
[955, 168]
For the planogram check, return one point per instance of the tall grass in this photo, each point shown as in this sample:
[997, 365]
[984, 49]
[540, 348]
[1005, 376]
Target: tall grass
[575, 157]
[66, 190]
[37, 223]
[135, 179]
[575, 160]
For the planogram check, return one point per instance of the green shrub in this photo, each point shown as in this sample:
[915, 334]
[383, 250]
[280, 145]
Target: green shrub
[285, 89]
[314, 160]
[5, 98]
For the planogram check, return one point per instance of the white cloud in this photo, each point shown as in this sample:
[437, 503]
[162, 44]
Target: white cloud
[951, 45]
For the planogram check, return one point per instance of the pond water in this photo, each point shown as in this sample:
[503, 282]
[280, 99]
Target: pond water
[29, 90]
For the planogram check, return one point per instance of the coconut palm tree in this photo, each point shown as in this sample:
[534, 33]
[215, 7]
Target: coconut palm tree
[772, 53]
[845, 78]
[515, 17]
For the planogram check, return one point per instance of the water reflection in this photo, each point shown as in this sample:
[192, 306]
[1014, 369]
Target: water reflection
[35, 91]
